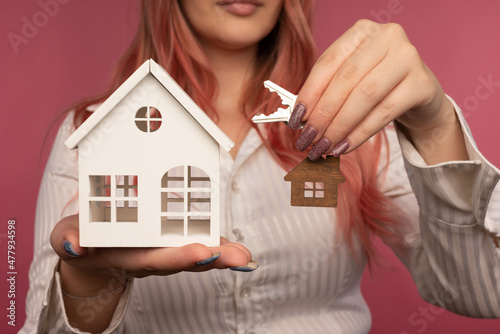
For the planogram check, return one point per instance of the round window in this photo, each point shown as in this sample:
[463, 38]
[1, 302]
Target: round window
[148, 119]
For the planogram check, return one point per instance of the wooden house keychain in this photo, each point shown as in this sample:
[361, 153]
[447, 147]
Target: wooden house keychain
[314, 183]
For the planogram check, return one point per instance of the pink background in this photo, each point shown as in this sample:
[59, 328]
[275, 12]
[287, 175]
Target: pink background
[70, 54]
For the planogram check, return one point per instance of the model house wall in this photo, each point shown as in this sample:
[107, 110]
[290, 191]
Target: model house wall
[149, 167]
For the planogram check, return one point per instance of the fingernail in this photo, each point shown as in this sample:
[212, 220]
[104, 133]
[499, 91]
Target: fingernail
[209, 260]
[296, 117]
[68, 248]
[319, 149]
[340, 148]
[306, 138]
[251, 266]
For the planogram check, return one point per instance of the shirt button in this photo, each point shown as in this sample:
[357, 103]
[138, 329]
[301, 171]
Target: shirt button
[245, 293]
[235, 187]
[238, 234]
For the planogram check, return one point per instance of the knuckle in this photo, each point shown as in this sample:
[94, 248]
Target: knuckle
[422, 79]
[326, 59]
[361, 132]
[368, 92]
[409, 51]
[368, 28]
[394, 29]
[340, 128]
[359, 135]
[364, 23]
[385, 112]
[322, 113]
[349, 73]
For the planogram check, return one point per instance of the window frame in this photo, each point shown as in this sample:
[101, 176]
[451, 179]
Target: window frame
[144, 123]
[115, 206]
[317, 189]
[182, 194]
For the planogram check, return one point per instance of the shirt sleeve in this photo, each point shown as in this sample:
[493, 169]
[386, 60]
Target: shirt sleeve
[57, 198]
[452, 210]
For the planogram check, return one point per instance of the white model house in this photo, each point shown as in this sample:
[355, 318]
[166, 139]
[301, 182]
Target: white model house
[149, 167]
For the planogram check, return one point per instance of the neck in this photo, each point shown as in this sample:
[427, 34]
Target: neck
[232, 68]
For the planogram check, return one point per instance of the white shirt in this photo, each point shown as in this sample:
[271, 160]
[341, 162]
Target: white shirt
[307, 281]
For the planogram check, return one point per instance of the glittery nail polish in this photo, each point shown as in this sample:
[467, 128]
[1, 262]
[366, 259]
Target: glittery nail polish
[209, 260]
[340, 148]
[251, 266]
[297, 115]
[306, 138]
[319, 149]
[68, 248]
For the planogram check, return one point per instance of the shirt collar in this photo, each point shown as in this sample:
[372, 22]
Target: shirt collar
[250, 144]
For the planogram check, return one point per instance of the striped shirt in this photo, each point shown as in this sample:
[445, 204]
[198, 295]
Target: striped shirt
[307, 281]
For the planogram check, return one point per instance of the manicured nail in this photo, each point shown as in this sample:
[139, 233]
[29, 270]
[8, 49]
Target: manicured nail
[296, 117]
[68, 248]
[340, 148]
[319, 149]
[251, 266]
[306, 138]
[209, 260]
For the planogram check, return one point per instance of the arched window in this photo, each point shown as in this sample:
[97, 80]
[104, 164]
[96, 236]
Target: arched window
[185, 202]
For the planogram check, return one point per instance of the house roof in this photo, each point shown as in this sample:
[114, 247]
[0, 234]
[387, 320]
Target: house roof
[322, 168]
[150, 67]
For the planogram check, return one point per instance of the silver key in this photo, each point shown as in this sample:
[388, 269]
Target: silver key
[281, 115]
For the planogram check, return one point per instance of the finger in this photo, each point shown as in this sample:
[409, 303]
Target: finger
[328, 65]
[141, 262]
[397, 102]
[64, 238]
[338, 91]
[374, 87]
[240, 246]
[167, 261]
[232, 256]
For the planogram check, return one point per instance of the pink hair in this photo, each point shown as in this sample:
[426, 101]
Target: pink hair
[165, 36]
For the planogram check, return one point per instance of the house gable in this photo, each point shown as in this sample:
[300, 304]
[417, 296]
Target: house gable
[118, 143]
[149, 67]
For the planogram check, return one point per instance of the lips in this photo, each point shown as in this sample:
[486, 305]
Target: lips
[229, 2]
[240, 7]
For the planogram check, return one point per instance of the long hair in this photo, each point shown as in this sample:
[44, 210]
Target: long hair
[165, 35]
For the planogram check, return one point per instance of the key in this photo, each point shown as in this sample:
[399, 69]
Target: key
[281, 115]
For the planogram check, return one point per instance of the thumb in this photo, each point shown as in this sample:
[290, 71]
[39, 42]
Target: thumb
[64, 238]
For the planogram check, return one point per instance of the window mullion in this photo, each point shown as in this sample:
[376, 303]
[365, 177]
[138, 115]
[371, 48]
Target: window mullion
[148, 120]
[113, 198]
[186, 198]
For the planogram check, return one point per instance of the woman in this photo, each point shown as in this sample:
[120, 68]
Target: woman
[311, 259]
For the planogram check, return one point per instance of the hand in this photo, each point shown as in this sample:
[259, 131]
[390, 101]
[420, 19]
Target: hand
[92, 279]
[140, 262]
[369, 77]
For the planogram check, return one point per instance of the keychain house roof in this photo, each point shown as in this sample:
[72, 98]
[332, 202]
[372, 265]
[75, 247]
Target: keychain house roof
[149, 171]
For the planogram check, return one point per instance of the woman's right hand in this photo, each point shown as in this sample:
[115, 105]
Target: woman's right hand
[89, 272]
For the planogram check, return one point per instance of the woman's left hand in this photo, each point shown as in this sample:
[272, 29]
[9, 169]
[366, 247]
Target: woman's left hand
[369, 77]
